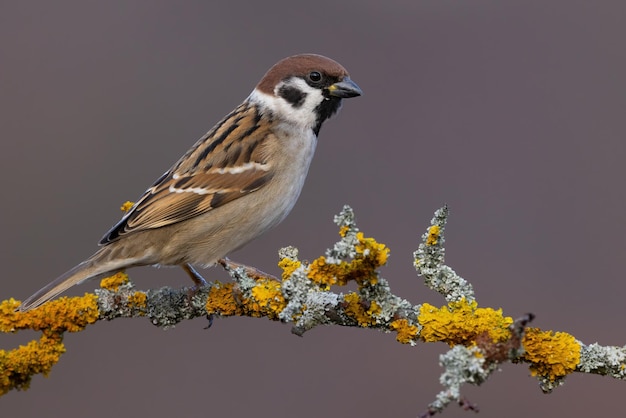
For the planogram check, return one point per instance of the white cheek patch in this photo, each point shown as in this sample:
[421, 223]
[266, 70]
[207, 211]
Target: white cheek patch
[304, 115]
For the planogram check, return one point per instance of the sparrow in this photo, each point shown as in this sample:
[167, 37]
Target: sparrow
[239, 180]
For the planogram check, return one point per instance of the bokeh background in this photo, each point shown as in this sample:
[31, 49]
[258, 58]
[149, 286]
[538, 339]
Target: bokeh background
[512, 113]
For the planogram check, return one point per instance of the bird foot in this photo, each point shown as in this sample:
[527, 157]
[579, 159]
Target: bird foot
[198, 281]
[251, 272]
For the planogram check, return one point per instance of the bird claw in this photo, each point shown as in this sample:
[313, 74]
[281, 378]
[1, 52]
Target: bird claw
[210, 318]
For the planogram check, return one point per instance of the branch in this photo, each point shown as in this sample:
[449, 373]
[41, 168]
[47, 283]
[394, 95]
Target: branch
[480, 338]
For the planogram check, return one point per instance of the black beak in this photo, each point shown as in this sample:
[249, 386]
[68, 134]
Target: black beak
[344, 89]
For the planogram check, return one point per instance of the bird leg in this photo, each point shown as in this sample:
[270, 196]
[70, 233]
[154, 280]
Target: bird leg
[195, 276]
[199, 284]
[251, 272]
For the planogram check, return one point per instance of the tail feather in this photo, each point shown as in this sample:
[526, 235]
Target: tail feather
[92, 268]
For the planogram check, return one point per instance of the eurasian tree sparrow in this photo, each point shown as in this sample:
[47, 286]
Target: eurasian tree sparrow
[240, 179]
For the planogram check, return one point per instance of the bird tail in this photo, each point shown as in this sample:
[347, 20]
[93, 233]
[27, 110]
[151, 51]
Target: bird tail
[96, 266]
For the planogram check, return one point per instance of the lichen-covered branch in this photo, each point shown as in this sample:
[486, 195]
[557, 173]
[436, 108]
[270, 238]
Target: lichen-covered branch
[480, 338]
[428, 261]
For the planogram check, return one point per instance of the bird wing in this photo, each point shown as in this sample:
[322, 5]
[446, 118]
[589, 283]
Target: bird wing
[229, 162]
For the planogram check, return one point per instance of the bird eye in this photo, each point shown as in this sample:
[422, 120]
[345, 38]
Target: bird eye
[315, 76]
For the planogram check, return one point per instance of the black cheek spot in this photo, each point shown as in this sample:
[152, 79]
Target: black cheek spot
[292, 95]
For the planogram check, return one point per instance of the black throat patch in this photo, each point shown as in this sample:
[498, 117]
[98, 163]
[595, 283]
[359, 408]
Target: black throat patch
[325, 110]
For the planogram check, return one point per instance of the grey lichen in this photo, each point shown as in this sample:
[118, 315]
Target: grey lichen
[429, 263]
[608, 361]
[462, 365]
[309, 306]
[547, 385]
[165, 307]
[306, 305]
[344, 248]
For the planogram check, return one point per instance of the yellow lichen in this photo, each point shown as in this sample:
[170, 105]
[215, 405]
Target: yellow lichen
[126, 206]
[53, 318]
[356, 309]
[374, 309]
[406, 332]
[114, 282]
[266, 300]
[324, 274]
[344, 230]
[63, 314]
[267, 294]
[551, 354]
[37, 357]
[433, 235]
[370, 255]
[221, 300]
[461, 322]
[288, 266]
[370, 249]
[138, 299]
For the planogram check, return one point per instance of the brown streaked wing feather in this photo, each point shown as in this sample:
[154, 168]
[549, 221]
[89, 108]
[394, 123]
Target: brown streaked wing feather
[201, 187]
[195, 195]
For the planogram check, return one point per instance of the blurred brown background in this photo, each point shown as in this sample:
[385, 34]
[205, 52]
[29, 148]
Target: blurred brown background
[513, 113]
